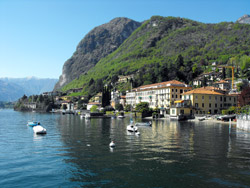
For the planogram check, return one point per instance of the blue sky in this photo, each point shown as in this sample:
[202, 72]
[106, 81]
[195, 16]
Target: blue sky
[38, 36]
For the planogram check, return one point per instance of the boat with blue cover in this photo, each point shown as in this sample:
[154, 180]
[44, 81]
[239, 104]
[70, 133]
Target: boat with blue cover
[33, 123]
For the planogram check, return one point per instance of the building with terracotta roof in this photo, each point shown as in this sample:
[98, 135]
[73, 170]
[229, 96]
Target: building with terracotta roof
[208, 100]
[158, 95]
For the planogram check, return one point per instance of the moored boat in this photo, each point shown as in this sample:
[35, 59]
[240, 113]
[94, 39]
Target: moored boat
[33, 123]
[39, 130]
[87, 116]
[131, 127]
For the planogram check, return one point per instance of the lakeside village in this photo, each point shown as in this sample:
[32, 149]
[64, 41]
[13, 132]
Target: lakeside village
[171, 99]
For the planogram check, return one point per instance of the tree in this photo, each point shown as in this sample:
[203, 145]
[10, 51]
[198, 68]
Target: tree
[24, 97]
[244, 97]
[204, 81]
[142, 107]
[119, 107]
[94, 108]
[128, 107]
[241, 86]
[223, 73]
[92, 81]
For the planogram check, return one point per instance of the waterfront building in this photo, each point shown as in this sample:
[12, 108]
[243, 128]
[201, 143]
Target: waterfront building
[90, 104]
[159, 95]
[210, 100]
[181, 110]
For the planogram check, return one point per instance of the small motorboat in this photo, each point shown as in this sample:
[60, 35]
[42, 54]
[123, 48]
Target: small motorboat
[120, 116]
[112, 144]
[33, 123]
[39, 129]
[132, 128]
[202, 118]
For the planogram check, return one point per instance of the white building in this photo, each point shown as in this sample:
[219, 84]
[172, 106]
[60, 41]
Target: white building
[159, 95]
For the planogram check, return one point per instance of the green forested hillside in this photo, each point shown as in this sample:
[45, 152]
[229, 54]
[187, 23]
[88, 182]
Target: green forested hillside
[168, 48]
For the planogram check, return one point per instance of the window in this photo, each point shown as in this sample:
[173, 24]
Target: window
[173, 111]
[203, 105]
[176, 96]
[202, 97]
[221, 105]
[181, 96]
[215, 105]
[225, 99]
[176, 90]
[172, 90]
[230, 98]
[220, 98]
[215, 98]
[172, 96]
[196, 97]
[210, 98]
[181, 90]
[209, 105]
[196, 105]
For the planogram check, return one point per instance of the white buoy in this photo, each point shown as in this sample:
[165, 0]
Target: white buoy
[112, 144]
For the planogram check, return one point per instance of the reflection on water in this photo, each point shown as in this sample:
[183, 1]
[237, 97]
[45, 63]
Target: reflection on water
[75, 153]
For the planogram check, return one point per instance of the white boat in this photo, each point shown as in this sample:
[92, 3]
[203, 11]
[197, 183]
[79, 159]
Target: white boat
[132, 128]
[120, 116]
[112, 144]
[87, 116]
[82, 116]
[39, 129]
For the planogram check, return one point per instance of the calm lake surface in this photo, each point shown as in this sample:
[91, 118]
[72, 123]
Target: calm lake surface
[75, 153]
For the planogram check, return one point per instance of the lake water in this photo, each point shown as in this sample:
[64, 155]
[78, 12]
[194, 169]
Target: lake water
[76, 153]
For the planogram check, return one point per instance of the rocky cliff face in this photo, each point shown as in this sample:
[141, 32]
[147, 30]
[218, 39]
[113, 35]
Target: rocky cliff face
[244, 19]
[97, 44]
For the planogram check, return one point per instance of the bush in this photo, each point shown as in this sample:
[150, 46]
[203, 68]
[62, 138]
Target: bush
[94, 109]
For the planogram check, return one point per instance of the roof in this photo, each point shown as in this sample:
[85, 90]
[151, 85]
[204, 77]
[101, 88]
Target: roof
[94, 103]
[222, 82]
[202, 91]
[162, 84]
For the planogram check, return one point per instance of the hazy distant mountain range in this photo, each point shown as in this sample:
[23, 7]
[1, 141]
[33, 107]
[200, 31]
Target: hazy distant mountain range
[12, 89]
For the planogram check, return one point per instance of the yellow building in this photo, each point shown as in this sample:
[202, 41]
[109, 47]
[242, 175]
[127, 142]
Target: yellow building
[209, 100]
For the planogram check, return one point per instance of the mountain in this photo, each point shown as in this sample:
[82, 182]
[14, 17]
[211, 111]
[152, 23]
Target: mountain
[244, 19]
[10, 91]
[164, 48]
[98, 43]
[14, 88]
